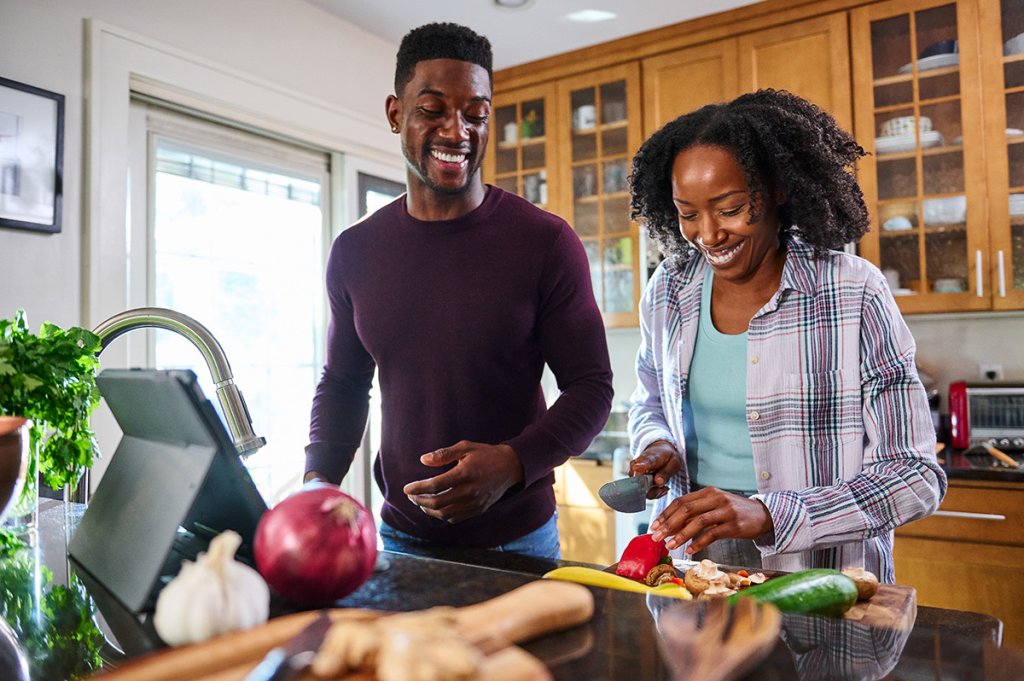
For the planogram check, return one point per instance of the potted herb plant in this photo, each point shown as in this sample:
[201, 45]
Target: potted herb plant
[50, 378]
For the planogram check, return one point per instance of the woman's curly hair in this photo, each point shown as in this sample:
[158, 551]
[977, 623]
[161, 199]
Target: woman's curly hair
[784, 144]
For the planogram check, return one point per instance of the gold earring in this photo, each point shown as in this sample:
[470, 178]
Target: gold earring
[394, 128]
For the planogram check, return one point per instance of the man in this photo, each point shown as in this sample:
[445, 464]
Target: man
[458, 293]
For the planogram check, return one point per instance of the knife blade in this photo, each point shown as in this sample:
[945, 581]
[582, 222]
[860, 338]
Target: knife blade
[287, 661]
[627, 495]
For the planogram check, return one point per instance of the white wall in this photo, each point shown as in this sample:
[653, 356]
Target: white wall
[286, 42]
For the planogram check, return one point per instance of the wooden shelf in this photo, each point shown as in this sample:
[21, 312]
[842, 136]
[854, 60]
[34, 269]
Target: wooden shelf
[614, 125]
[927, 151]
[907, 77]
[524, 142]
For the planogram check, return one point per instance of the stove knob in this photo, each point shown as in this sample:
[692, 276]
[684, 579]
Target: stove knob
[1005, 442]
[1018, 442]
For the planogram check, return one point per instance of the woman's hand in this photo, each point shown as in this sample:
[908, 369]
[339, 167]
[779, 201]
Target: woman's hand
[659, 459]
[709, 514]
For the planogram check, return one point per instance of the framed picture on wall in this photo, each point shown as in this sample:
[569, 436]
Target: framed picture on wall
[31, 157]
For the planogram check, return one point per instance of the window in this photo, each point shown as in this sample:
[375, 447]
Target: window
[236, 237]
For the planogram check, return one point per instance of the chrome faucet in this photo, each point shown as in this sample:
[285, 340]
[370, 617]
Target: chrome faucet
[232, 404]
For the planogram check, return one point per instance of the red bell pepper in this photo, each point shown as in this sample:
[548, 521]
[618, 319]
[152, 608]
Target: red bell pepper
[641, 555]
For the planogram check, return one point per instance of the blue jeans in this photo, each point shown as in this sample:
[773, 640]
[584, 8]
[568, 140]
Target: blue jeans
[541, 543]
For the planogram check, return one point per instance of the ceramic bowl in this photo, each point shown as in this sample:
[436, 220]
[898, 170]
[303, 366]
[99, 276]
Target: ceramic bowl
[904, 125]
[13, 460]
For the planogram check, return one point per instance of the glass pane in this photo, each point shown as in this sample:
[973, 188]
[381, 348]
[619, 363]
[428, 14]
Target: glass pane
[1017, 225]
[584, 145]
[900, 261]
[613, 102]
[507, 158]
[618, 293]
[585, 220]
[584, 181]
[240, 250]
[897, 176]
[614, 141]
[584, 109]
[946, 261]
[593, 249]
[506, 125]
[614, 176]
[533, 153]
[890, 45]
[533, 119]
[509, 184]
[535, 188]
[616, 215]
[1013, 71]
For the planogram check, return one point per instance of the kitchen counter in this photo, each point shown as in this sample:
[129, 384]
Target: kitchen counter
[621, 642]
[960, 465]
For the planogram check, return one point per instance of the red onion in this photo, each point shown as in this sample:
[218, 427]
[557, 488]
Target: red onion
[316, 546]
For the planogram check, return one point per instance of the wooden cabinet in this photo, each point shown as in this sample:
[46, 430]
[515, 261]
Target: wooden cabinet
[810, 58]
[1002, 78]
[924, 84]
[600, 126]
[939, 180]
[966, 556]
[586, 526]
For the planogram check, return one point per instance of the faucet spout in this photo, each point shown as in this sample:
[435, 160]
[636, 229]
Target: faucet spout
[231, 401]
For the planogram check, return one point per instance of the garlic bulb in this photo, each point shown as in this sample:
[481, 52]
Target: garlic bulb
[212, 596]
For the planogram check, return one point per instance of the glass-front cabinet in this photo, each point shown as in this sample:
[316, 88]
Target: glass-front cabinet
[600, 118]
[1002, 45]
[940, 181]
[522, 150]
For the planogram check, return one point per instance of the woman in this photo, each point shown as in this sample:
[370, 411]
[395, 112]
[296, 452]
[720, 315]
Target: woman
[777, 407]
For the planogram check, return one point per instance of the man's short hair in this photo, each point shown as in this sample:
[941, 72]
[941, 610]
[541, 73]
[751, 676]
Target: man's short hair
[440, 41]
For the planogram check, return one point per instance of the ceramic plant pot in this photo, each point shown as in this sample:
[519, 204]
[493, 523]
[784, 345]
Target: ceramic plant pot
[14, 461]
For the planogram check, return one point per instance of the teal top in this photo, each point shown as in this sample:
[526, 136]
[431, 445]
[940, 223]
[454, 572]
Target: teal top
[718, 449]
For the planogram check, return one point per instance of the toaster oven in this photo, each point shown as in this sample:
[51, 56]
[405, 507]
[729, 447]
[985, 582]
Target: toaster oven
[986, 412]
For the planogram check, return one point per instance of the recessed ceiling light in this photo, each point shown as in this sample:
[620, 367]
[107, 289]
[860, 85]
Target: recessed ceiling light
[513, 4]
[591, 15]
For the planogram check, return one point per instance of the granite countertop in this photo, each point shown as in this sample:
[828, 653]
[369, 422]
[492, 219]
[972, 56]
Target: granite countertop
[622, 641]
[972, 465]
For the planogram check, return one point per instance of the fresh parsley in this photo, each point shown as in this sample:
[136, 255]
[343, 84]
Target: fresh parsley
[50, 378]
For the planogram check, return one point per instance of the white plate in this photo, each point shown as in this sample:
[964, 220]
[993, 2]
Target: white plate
[936, 61]
[1014, 132]
[896, 144]
[903, 292]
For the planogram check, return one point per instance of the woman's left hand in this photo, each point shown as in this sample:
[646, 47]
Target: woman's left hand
[709, 514]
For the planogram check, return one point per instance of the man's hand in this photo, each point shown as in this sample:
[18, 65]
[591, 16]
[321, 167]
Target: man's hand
[709, 514]
[660, 459]
[482, 473]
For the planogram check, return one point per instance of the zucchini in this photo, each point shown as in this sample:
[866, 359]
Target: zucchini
[812, 592]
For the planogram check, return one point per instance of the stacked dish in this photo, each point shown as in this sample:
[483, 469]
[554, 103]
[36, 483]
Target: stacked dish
[950, 210]
[1017, 205]
[935, 56]
[898, 134]
[1014, 45]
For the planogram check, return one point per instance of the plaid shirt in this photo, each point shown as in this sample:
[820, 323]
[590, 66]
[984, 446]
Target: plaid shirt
[843, 442]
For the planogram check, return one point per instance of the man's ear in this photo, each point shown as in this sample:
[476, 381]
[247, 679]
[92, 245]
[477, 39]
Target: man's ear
[393, 111]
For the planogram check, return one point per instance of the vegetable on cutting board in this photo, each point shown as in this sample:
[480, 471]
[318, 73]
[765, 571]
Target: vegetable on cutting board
[814, 592]
[593, 577]
[212, 596]
[641, 555]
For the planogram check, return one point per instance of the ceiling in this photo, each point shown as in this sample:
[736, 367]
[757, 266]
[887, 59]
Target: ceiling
[538, 30]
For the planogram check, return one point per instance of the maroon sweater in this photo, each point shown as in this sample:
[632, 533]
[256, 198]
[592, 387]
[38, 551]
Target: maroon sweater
[459, 317]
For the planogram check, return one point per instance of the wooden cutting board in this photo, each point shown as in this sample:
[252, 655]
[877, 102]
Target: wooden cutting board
[523, 614]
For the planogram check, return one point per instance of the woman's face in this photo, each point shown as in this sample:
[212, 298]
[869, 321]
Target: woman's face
[709, 189]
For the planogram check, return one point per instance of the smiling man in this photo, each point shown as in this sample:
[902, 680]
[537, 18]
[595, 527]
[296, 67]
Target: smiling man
[458, 294]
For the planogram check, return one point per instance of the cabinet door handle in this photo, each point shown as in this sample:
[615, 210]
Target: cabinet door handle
[971, 516]
[978, 280]
[1002, 274]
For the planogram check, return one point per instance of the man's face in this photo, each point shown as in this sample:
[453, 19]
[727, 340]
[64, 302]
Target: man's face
[443, 114]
